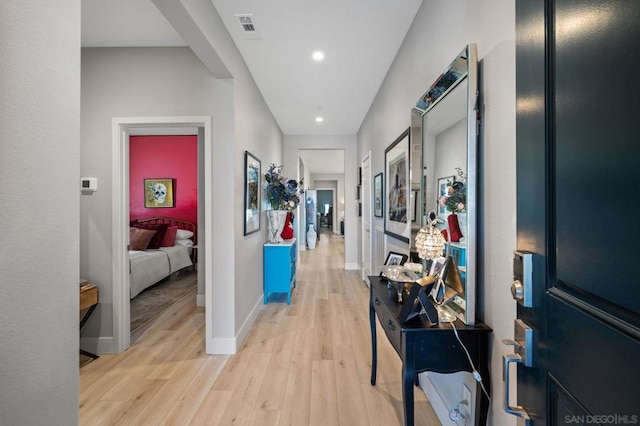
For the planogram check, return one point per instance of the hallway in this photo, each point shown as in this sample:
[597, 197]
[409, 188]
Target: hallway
[307, 363]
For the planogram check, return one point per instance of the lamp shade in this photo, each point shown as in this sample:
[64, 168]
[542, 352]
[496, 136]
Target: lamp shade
[430, 242]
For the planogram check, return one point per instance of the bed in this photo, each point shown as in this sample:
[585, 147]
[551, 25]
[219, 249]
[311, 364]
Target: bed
[150, 265]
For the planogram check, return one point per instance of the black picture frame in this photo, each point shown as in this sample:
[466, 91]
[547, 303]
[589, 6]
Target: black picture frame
[378, 199]
[394, 258]
[397, 222]
[415, 194]
[252, 193]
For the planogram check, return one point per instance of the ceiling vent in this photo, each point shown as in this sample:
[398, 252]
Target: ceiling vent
[247, 25]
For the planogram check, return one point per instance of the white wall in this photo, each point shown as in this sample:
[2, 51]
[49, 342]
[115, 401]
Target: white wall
[348, 143]
[440, 30]
[39, 156]
[118, 82]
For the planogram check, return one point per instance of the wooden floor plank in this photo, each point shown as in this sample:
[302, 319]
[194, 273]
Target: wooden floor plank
[307, 363]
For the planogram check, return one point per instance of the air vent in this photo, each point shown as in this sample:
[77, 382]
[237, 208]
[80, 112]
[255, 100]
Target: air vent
[247, 25]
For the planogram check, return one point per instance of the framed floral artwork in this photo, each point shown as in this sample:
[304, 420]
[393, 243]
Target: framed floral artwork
[158, 193]
[252, 173]
[396, 200]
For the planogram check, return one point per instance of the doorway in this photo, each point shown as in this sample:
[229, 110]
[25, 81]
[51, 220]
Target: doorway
[122, 129]
[165, 272]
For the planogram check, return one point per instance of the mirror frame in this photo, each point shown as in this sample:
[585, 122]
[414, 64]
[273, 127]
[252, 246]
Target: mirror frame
[441, 87]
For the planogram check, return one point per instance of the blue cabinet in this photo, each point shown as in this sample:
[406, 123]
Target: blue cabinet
[279, 268]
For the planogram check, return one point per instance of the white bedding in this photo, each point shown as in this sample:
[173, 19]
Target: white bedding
[150, 266]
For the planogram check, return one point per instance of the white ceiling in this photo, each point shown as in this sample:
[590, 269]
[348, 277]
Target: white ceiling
[360, 39]
[323, 161]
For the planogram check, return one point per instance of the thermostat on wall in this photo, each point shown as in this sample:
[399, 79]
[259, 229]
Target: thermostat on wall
[89, 184]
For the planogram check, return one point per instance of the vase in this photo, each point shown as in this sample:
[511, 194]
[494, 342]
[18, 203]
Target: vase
[275, 223]
[454, 228]
[312, 237]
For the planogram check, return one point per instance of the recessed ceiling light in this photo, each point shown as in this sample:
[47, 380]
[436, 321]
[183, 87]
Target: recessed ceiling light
[319, 119]
[317, 55]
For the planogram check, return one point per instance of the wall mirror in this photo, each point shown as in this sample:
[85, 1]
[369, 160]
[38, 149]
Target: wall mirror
[446, 118]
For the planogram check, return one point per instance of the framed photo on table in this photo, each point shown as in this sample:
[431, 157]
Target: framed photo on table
[378, 190]
[397, 190]
[252, 173]
[394, 258]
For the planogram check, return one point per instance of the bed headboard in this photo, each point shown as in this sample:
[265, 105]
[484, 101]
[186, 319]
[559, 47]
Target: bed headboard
[181, 224]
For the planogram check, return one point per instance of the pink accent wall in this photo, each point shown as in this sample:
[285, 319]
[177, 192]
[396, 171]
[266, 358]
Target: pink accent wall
[163, 157]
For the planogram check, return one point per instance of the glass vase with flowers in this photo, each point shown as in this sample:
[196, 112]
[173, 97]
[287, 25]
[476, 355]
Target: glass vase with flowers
[283, 196]
[455, 201]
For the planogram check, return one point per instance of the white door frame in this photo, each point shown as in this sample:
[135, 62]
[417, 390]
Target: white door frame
[120, 218]
[366, 214]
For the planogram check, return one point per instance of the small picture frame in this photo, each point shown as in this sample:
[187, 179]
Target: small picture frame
[378, 201]
[158, 193]
[394, 258]
[415, 194]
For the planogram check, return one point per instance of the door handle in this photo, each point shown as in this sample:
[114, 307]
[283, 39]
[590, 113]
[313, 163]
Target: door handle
[517, 411]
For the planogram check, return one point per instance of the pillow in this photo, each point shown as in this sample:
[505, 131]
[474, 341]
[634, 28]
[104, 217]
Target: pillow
[139, 238]
[161, 228]
[183, 242]
[169, 237]
[183, 234]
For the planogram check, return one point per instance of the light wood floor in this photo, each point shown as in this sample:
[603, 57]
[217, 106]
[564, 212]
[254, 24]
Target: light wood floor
[308, 363]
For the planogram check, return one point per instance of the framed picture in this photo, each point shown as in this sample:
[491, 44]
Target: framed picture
[414, 204]
[442, 190]
[252, 173]
[377, 196]
[396, 161]
[394, 258]
[158, 193]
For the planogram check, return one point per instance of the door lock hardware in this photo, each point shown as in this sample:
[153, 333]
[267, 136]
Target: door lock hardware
[522, 286]
[522, 342]
[523, 354]
[517, 290]
[517, 411]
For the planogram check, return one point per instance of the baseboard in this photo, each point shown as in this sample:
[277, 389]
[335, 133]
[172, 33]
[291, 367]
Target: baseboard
[351, 266]
[199, 299]
[220, 346]
[436, 401]
[99, 345]
[230, 346]
[248, 322]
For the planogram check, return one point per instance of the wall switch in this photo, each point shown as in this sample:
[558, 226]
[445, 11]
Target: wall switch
[88, 184]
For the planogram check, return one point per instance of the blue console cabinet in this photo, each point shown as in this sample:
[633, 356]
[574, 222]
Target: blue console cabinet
[279, 268]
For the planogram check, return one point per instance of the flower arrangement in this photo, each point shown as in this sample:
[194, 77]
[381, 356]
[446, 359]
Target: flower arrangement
[456, 198]
[282, 193]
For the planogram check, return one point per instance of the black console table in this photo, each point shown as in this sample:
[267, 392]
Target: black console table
[423, 347]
